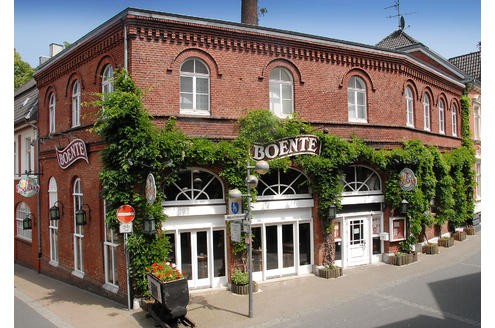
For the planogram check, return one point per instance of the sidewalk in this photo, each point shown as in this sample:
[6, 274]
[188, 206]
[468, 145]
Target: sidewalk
[277, 301]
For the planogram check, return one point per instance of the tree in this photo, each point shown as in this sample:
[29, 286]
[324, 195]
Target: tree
[23, 72]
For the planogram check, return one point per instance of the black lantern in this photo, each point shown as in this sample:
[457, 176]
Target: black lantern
[150, 226]
[332, 212]
[26, 223]
[81, 215]
[403, 206]
[55, 211]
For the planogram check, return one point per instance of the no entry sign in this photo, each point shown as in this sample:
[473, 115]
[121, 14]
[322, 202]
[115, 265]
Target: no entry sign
[125, 213]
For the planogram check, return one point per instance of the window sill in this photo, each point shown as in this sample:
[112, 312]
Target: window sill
[53, 263]
[78, 274]
[195, 113]
[111, 288]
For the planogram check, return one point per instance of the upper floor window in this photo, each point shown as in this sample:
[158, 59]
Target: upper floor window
[441, 117]
[76, 104]
[477, 122]
[281, 92]
[356, 94]
[409, 107]
[195, 186]
[52, 104]
[28, 155]
[194, 87]
[107, 80]
[454, 120]
[277, 184]
[426, 111]
[360, 179]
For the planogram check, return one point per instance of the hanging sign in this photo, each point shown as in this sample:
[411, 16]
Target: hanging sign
[28, 186]
[303, 144]
[150, 189]
[408, 180]
[74, 151]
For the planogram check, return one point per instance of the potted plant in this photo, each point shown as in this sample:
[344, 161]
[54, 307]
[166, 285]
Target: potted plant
[460, 235]
[240, 283]
[470, 230]
[169, 288]
[446, 241]
[329, 269]
[405, 255]
[430, 248]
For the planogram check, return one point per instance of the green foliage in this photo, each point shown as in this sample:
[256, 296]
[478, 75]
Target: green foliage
[23, 72]
[240, 278]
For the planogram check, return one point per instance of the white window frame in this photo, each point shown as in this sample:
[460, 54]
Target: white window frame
[28, 160]
[354, 90]
[478, 180]
[391, 228]
[409, 108]
[110, 256]
[52, 108]
[195, 76]
[16, 158]
[441, 117]
[22, 211]
[454, 120]
[358, 185]
[76, 104]
[107, 80]
[53, 225]
[427, 112]
[477, 122]
[78, 231]
[278, 97]
[283, 188]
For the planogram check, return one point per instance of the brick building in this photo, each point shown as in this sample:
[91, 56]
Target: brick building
[208, 74]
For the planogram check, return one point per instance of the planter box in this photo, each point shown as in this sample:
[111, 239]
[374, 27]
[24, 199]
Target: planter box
[430, 249]
[460, 235]
[328, 273]
[243, 289]
[403, 259]
[470, 231]
[172, 297]
[446, 242]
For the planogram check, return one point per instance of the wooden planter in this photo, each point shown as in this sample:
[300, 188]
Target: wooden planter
[446, 242]
[470, 231]
[243, 289]
[460, 235]
[403, 258]
[328, 273]
[172, 297]
[430, 249]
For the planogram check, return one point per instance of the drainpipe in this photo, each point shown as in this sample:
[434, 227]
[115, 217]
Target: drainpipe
[125, 47]
[38, 205]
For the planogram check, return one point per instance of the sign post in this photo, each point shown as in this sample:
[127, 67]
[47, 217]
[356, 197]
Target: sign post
[125, 215]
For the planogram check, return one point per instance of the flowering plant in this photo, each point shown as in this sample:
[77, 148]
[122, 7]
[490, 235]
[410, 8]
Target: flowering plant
[165, 271]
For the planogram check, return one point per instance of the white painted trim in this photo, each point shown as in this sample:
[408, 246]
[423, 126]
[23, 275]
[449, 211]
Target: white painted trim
[282, 204]
[198, 210]
[368, 199]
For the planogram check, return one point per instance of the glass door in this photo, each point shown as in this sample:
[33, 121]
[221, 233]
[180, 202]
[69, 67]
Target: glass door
[279, 250]
[194, 257]
[357, 246]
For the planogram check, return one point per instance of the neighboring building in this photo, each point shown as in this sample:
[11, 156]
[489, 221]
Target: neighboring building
[471, 64]
[209, 73]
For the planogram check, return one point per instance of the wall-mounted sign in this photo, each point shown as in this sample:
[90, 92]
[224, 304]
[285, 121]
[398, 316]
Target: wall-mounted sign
[150, 189]
[304, 144]
[74, 151]
[408, 180]
[28, 186]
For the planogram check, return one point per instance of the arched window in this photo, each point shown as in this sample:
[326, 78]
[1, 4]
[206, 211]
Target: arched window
[409, 107]
[52, 104]
[78, 230]
[454, 120]
[22, 211]
[107, 80]
[361, 180]
[277, 184]
[194, 87]
[195, 186]
[52, 198]
[281, 92]
[426, 111]
[356, 94]
[477, 122]
[76, 104]
[441, 117]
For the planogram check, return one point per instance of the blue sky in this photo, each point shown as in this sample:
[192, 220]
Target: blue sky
[448, 27]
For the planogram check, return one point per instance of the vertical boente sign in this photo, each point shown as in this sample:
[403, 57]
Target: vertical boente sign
[74, 151]
[303, 144]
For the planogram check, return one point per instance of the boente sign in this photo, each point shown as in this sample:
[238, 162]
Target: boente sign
[303, 144]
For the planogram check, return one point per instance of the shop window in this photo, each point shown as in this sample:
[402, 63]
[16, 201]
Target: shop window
[281, 92]
[356, 96]
[375, 233]
[194, 87]
[78, 231]
[359, 180]
[195, 186]
[277, 184]
[53, 228]
[23, 211]
[110, 254]
[398, 229]
[304, 244]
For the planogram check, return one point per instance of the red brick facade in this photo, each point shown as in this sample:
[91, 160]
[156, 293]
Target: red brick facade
[240, 59]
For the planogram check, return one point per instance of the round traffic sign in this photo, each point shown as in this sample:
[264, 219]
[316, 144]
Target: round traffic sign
[125, 213]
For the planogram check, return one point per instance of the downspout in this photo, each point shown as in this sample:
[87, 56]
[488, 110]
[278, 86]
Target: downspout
[125, 47]
[39, 198]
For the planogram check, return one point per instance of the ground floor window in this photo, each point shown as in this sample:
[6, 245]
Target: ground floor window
[110, 245]
[23, 211]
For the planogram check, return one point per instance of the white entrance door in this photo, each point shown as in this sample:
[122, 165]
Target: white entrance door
[358, 251]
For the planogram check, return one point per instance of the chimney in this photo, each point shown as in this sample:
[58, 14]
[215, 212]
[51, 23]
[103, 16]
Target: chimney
[54, 49]
[249, 12]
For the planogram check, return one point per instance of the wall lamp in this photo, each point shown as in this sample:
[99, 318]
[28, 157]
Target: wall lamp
[27, 222]
[150, 226]
[404, 206]
[55, 213]
[332, 212]
[81, 215]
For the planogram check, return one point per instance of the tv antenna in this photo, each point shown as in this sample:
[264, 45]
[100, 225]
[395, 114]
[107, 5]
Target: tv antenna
[401, 20]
